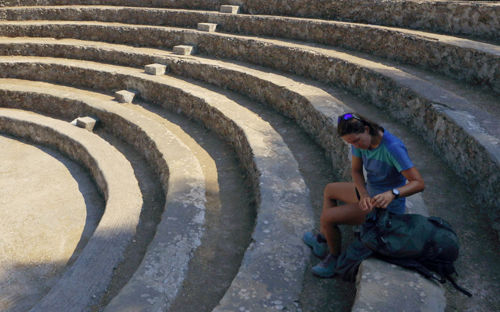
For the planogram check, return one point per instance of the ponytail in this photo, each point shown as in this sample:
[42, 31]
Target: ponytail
[354, 123]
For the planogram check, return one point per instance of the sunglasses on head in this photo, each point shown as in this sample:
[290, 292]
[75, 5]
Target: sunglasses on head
[348, 116]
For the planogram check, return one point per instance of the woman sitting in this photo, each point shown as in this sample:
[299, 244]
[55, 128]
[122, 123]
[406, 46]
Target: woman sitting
[388, 167]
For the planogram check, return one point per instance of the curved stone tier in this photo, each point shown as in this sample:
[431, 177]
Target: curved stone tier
[284, 208]
[232, 298]
[89, 275]
[49, 208]
[388, 68]
[463, 59]
[464, 132]
[474, 18]
[180, 231]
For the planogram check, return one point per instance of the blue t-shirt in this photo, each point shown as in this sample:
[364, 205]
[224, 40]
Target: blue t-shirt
[383, 166]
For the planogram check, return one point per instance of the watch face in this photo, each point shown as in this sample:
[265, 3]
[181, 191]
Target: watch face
[395, 192]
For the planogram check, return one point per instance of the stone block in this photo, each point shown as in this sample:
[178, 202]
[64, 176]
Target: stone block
[232, 9]
[210, 27]
[155, 69]
[183, 49]
[385, 287]
[87, 122]
[124, 96]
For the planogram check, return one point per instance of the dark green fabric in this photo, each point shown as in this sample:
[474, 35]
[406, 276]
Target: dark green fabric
[407, 235]
[348, 262]
[427, 245]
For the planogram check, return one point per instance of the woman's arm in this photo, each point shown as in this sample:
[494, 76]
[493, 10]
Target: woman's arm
[415, 184]
[358, 178]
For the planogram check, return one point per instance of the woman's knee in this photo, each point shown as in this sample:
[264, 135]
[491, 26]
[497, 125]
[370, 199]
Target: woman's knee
[340, 191]
[344, 214]
[331, 190]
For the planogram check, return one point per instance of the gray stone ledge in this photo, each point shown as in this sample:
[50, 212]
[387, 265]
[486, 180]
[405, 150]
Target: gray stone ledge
[89, 275]
[385, 287]
[273, 266]
[415, 202]
[468, 60]
[411, 100]
[472, 18]
[179, 172]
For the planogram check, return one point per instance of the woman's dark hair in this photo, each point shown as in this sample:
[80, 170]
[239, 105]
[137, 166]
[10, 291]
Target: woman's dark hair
[354, 123]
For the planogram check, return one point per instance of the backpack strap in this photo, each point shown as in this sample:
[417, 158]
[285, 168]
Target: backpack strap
[458, 287]
[417, 266]
[413, 265]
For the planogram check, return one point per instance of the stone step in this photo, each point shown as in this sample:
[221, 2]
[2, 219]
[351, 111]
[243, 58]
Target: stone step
[463, 132]
[229, 216]
[284, 207]
[434, 170]
[473, 18]
[463, 59]
[89, 275]
[179, 232]
[228, 206]
[285, 93]
[434, 295]
[42, 192]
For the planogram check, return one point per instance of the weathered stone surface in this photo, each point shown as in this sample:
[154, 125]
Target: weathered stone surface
[154, 69]
[125, 96]
[410, 99]
[183, 49]
[180, 174]
[459, 58]
[42, 192]
[284, 210]
[208, 27]
[458, 117]
[386, 287]
[115, 178]
[231, 9]
[464, 156]
[86, 122]
[475, 18]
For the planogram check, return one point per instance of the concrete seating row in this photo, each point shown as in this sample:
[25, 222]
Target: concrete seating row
[462, 132]
[479, 19]
[283, 65]
[92, 271]
[323, 106]
[284, 209]
[463, 59]
[181, 228]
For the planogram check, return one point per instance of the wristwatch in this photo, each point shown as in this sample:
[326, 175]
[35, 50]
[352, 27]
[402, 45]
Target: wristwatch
[395, 192]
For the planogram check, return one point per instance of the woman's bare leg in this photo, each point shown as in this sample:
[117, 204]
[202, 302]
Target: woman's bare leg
[332, 215]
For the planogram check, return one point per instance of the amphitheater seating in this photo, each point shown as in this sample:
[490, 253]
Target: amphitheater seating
[409, 60]
[405, 94]
[179, 169]
[116, 181]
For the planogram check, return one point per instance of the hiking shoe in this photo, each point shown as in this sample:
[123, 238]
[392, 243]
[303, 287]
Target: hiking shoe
[317, 242]
[327, 266]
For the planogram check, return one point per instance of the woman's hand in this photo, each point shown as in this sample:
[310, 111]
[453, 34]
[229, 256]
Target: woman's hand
[383, 200]
[365, 203]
